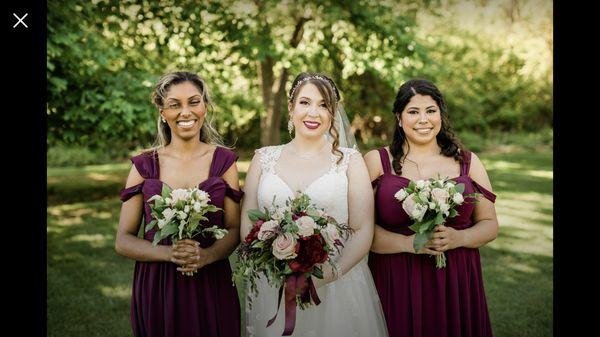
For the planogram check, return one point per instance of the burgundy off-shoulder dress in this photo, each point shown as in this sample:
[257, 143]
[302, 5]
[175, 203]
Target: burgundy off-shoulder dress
[165, 303]
[418, 299]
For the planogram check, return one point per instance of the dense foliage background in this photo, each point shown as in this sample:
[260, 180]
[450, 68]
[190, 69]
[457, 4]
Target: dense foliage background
[492, 59]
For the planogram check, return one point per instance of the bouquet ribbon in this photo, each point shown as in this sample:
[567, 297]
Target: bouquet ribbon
[295, 285]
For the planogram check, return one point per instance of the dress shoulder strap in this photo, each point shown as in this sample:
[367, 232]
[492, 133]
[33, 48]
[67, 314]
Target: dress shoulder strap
[465, 166]
[146, 164]
[342, 166]
[268, 157]
[385, 160]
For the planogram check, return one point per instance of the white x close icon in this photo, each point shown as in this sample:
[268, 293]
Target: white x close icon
[20, 20]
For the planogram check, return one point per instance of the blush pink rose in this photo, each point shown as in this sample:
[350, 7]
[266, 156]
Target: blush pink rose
[284, 247]
[268, 230]
[440, 195]
[306, 226]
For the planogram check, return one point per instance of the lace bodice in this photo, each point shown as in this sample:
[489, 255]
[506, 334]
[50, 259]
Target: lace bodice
[349, 305]
[329, 191]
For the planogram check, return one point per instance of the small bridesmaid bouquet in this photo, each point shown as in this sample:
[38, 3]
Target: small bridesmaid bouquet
[429, 203]
[178, 214]
[286, 245]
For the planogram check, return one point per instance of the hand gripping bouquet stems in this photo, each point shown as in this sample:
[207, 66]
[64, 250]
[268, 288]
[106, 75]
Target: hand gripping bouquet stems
[179, 214]
[289, 245]
[430, 203]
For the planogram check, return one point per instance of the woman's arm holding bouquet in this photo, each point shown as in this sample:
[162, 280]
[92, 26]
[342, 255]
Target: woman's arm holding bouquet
[384, 241]
[222, 248]
[484, 216]
[128, 244]
[360, 219]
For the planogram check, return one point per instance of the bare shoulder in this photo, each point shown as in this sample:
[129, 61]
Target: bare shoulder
[476, 164]
[134, 177]
[478, 173]
[372, 159]
[373, 162]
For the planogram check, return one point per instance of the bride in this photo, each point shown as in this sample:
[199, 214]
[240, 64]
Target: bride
[336, 179]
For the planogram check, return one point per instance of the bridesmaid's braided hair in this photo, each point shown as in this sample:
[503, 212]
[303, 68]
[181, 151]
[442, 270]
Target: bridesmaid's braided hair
[446, 139]
[208, 134]
[331, 96]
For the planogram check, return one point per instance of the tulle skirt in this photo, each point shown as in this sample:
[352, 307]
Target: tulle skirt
[349, 307]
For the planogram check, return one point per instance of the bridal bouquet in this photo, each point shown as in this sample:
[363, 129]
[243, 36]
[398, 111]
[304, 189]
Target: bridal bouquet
[429, 203]
[287, 245]
[178, 214]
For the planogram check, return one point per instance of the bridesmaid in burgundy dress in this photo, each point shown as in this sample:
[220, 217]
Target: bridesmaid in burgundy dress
[165, 302]
[418, 299]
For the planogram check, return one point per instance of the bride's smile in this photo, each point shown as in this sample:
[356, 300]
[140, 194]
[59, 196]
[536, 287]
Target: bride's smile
[310, 113]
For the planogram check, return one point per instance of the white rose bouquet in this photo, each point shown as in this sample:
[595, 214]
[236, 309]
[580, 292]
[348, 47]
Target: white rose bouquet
[288, 245]
[429, 203]
[179, 214]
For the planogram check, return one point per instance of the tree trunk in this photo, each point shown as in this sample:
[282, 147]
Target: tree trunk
[273, 92]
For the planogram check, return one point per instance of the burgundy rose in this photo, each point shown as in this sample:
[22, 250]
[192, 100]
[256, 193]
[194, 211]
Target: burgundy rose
[310, 253]
[253, 235]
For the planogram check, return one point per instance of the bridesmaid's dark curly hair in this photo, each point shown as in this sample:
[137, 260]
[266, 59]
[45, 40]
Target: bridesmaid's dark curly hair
[451, 146]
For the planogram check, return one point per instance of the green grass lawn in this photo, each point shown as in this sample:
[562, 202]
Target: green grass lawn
[89, 285]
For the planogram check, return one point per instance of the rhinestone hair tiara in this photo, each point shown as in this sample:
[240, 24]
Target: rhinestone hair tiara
[314, 77]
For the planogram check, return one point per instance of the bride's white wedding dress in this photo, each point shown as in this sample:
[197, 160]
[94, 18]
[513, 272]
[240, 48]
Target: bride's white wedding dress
[350, 305]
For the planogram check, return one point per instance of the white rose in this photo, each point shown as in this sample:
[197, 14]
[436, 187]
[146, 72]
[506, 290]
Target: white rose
[330, 234]
[458, 198]
[180, 194]
[306, 226]
[267, 230]
[401, 195]
[450, 184]
[445, 209]
[168, 214]
[197, 207]
[432, 205]
[440, 195]
[419, 212]
[424, 195]
[409, 204]
[201, 195]
[420, 183]
[284, 247]
[186, 209]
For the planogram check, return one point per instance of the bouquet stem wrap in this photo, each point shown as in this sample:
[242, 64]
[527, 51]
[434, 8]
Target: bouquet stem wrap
[296, 287]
